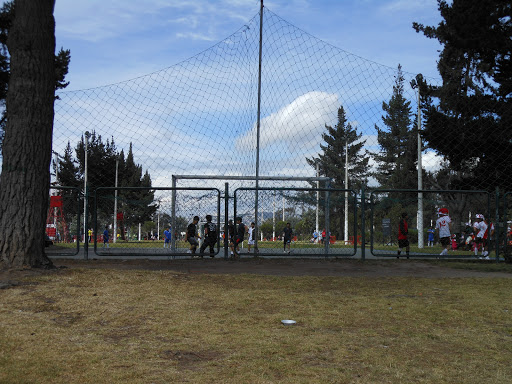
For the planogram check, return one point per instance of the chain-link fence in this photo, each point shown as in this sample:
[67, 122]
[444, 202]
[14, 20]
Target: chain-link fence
[321, 112]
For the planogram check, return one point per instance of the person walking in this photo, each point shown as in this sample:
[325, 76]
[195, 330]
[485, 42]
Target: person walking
[230, 237]
[403, 235]
[210, 237]
[251, 238]
[430, 236]
[192, 236]
[239, 237]
[287, 237]
[444, 229]
[480, 228]
[106, 237]
[167, 238]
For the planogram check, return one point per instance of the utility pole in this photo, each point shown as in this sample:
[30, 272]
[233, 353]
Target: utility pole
[115, 201]
[256, 197]
[415, 85]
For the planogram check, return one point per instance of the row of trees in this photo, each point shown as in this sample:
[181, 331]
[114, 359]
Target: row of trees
[135, 203]
[466, 120]
[343, 151]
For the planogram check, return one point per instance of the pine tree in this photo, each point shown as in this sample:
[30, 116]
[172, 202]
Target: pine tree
[396, 161]
[66, 172]
[332, 163]
[137, 202]
[468, 117]
[61, 63]
[25, 180]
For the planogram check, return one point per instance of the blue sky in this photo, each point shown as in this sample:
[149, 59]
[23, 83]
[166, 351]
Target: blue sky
[177, 78]
[117, 40]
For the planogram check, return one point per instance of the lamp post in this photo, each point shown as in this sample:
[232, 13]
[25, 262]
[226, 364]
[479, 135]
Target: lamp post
[86, 196]
[115, 201]
[415, 86]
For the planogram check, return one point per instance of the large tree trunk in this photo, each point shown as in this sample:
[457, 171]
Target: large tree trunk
[25, 178]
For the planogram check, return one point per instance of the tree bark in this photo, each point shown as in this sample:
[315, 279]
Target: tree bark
[25, 178]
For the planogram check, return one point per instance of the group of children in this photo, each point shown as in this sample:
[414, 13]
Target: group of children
[443, 229]
[210, 236]
[235, 237]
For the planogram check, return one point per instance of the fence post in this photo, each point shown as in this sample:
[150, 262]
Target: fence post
[363, 224]
[173, 217]
[327, 220]
[226, 214]
[497, 226]
[86, 224]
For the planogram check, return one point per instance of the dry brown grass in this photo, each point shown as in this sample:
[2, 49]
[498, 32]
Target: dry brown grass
[110, 326]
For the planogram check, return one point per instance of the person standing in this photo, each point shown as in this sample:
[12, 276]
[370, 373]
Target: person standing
[210, 237]
[239, 237]
[106, 237]
[444, 229]
[251, 240]
[480, 228]
[403, 236]
[488, 237]
[230, 237]
[168, 238]
[430, 238]
[191, 235]
[287, 237]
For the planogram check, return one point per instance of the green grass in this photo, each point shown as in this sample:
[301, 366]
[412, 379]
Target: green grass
[134, 326]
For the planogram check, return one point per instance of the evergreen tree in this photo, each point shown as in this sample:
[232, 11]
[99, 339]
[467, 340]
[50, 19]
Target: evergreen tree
[332, 163]
[25, 180]
[137, 203]
[66, 172]
[468, 117]
[61, 63]
[396, 161]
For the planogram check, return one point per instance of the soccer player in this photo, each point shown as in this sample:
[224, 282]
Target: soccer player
[444, 229]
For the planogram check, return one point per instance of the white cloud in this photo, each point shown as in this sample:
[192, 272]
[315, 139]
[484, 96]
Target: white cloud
[408, 5]
[195, 36]
[431, 161]
[303, 119]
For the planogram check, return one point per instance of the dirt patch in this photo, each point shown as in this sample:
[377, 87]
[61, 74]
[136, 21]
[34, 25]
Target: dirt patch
[260, 266]
[14, 277]
[188, 359]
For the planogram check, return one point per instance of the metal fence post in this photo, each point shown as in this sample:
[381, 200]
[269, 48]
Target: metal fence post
[327, 220]
[226, 214]
[86, 224]
[363, 224]
[173, 217]
[497, 226]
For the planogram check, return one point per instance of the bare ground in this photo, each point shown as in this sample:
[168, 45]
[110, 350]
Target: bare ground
[260, 266]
